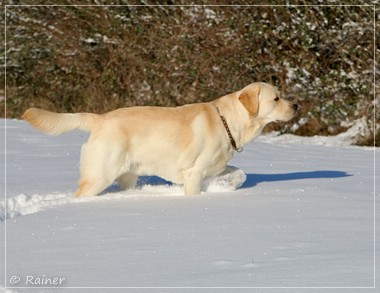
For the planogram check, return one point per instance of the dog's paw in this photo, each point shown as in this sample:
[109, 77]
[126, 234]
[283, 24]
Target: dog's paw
[230, 179]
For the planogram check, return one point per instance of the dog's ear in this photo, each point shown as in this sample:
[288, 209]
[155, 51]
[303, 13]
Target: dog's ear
[250, 99]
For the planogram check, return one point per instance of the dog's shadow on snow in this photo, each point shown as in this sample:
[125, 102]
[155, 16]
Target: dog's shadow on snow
[255, 179]
[251, 181]
[141, 182]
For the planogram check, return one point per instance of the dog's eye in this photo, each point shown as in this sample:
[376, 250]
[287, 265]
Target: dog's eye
[277, 99]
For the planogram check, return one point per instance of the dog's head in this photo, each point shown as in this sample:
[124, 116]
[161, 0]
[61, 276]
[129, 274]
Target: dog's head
[263, 102]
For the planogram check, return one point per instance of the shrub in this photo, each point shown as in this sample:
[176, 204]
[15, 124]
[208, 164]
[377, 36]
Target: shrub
[98, 58]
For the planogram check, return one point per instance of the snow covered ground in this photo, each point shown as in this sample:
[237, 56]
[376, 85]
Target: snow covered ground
[303, 218]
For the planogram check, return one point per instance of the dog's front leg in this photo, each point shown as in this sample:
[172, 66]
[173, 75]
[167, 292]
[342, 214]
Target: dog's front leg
[192, 182]
[127, 181]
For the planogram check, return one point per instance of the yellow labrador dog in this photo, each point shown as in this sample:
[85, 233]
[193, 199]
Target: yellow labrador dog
[184, 145]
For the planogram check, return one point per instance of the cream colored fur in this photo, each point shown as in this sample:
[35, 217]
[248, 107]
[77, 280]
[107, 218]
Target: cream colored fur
[184, 144]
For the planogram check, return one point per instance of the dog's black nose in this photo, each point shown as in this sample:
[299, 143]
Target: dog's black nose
[295, 106]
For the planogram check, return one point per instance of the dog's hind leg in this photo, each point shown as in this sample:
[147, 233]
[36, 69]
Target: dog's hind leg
[127, 180]
[101, 163]
[91, 186]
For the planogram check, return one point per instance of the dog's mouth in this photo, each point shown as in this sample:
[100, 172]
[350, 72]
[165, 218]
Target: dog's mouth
[290, 115]
[294, 108]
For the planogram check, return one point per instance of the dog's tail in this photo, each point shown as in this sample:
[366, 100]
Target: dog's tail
[57, 123]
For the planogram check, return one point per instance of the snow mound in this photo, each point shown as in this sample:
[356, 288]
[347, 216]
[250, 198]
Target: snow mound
[231, 179]
[28, 204]
[353, 135]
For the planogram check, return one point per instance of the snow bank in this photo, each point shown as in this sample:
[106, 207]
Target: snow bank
[23, 204]
[355, 133]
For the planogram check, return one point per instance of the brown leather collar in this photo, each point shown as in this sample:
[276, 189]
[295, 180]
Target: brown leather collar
[232, 141]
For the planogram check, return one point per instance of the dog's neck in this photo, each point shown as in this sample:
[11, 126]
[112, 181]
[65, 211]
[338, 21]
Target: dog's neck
[230, 136]
[253, 132]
